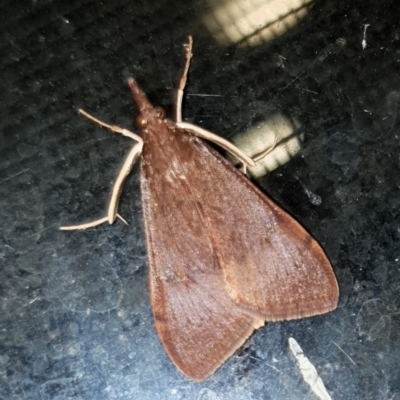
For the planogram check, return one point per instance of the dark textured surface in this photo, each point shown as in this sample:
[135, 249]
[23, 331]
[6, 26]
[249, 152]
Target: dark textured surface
[75, 317]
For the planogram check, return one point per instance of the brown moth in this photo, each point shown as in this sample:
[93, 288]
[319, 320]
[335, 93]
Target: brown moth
[223, 257]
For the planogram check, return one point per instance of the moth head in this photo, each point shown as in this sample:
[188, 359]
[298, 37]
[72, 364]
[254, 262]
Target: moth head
[148, 113]
[141, 121]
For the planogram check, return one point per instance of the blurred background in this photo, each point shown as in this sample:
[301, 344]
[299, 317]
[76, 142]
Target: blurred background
[319, 77]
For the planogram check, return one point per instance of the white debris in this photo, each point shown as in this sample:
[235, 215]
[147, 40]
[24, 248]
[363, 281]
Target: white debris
[364, 41]
[308, 371]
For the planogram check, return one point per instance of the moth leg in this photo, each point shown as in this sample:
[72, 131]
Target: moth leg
[225, 144]
[112, 211]
[263, 154]
[260, 156]
[126, 168]
[245, 160]
[88, 224]
[182, 81]
[203, 133]
[133, 155]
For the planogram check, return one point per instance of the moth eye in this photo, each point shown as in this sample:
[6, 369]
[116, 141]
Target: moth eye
[140, 122]
[160, 112]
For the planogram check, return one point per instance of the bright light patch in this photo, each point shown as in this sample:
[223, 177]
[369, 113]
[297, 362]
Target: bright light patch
[278, 133]
[251, 22]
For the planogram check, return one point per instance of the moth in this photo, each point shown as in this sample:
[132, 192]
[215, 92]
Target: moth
[223, 257]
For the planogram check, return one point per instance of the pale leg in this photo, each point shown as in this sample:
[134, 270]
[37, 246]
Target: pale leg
[134, 154]
[200, 132]
[182, 81]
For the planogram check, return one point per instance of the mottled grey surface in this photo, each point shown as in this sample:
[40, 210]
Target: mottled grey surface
[75, 318]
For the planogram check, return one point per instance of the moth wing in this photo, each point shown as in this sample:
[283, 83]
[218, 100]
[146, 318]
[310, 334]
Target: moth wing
[272, 266]
[197, 321]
